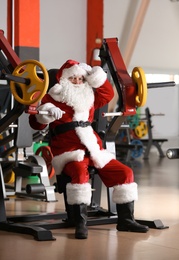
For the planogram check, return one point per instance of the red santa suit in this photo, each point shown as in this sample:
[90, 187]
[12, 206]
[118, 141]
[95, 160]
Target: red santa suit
[74, 150]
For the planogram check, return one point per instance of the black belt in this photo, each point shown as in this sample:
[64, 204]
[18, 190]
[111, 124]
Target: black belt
[60, 129]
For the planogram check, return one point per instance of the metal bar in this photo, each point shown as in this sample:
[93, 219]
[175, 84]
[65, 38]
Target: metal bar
[112, 114]
[17, 79]
[161, 84]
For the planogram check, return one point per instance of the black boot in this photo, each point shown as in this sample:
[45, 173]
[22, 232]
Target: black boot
[62, 180]
[80, 213]
[126, 221]
[70, 212]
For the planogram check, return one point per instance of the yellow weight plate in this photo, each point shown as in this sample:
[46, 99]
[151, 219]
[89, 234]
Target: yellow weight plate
[33, 92]
[138, 76]
[141, 130]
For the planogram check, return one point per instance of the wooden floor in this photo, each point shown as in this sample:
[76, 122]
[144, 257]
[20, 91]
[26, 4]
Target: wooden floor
[158, 181]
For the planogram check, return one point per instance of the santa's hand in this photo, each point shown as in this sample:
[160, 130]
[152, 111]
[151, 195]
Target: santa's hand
[48, 113]
[96, 77]
[86, 67]
[56, 112]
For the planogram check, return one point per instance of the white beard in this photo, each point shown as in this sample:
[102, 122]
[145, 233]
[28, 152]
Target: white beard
[78, 96]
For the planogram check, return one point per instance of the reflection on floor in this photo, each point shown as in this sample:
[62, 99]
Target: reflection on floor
[158, 182]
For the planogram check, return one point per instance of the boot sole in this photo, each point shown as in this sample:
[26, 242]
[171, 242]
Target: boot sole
[80, 237]
[133, 230]
[129, 230]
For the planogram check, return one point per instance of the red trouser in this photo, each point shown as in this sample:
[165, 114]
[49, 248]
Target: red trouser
[114, 173]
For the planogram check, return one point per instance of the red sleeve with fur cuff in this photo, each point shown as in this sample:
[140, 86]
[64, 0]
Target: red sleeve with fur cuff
[103, 94]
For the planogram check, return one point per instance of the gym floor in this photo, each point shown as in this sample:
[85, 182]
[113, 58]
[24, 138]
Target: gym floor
[158, 180]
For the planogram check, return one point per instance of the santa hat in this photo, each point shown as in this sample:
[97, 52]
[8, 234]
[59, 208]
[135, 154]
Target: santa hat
[72, 68]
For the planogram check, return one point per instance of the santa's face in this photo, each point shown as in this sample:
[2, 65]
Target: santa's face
[76, 80]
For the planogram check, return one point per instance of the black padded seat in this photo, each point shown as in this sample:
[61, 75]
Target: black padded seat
[25, 169]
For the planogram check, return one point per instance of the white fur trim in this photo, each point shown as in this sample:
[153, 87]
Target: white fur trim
[102, 158]
[97, 77]
[45, 119]
[99, 157]
[78, 193]
[59, 161]
[125, 193]
[74, 70]
[55, 90]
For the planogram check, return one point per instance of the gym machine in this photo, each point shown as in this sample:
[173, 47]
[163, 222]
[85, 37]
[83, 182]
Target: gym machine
[132, 92]
[25, 95]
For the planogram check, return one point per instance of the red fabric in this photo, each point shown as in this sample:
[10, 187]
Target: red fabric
[114, 173]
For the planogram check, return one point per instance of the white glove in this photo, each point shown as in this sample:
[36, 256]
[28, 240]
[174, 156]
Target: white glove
[86, 67]
[96, 77]
[56, 112]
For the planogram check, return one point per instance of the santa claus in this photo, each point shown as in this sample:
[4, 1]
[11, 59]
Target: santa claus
[71, 104]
